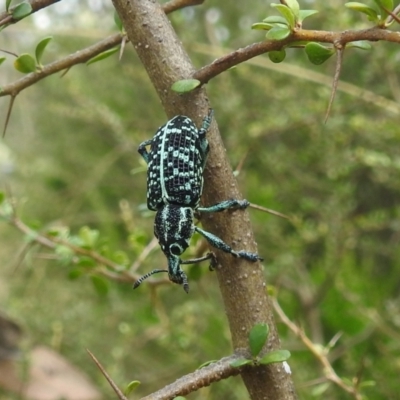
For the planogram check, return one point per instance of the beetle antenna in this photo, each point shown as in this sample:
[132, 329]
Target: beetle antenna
[144, 277]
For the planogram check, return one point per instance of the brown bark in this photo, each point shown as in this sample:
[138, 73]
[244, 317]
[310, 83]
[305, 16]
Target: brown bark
[242, 283]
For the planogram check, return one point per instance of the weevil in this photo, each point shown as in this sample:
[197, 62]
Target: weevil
[176, 160]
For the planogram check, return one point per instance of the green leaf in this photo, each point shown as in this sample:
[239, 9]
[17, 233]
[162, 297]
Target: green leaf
[40, 48]
[21, 10]
[88, 236]
[287, 13]
[276, 19]
[241, 362]
[75, 274]
[384, 5]
[319, 390]
[360, 44]
[118, 21]
[317, 53]
[25, 63]
[2, 59]
[130, 387]
[303, 14]
[185, 85]
[86, 262]
[277, 56]
[294, 6]
[103, 55]
[257, 338]
[100, 285]
[275, 357]
[2, 197]
[262, 26]
[278, 33]
[206, 364]
[8, 2]
[367, 384]
[360, 7]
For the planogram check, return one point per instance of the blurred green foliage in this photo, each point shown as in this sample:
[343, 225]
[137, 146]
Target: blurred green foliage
[69, 158]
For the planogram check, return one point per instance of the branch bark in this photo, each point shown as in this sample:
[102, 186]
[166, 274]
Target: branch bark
[242, 283]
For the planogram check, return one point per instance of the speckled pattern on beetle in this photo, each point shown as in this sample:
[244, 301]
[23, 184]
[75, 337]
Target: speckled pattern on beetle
[176, 160]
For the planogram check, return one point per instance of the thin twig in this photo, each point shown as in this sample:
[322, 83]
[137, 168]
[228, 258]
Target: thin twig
[174, 5]
[6, 17]
[320, 354]
[110, 381]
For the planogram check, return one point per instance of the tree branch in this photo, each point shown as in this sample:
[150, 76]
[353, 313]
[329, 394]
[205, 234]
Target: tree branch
[6, 17]
[242, 283]
[222, 64]
[198, 379]
[78, 57]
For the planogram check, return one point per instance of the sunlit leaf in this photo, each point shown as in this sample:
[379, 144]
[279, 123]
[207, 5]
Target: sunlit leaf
[103, 55]
[100, 285]
[21, 10]
[317, 53]
[276, 19]
[287, 13]
[294, 6]
[275, 356]
[185, 85]
[262, 26]
[88, 236]
[241, 362]
[303, 14]
[277, 56]
[360, 44]
[41, 47]
[278, 33]
[257, 338]
[360, 7]
[130, 387]
[25, 63]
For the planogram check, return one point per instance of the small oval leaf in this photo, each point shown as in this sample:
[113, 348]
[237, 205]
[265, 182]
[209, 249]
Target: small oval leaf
[21, 10]
[2, 59]
[2, 197]
[303, 14]
[317, 53]
[261, 26]
[294, 6]
[102, 56]
[278, 33]
[240, 363]
[360, 44]
[277, 56]
[185, 85]
[130, 387]
[25, 63]
[276, 19]
[257, 338]
[360, 7]
[287, 13]
[40, 48]
[275, 357]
